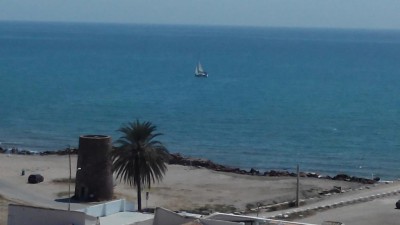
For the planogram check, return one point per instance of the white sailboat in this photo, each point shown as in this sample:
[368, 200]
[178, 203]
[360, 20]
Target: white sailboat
[199, 71]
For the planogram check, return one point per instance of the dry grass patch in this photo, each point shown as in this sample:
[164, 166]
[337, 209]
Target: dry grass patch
[63, 181]
[210, 208]
[62, 194]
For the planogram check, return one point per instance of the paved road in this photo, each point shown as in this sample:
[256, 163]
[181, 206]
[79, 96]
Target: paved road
[25, 195]
[375, 212]
[374, 205]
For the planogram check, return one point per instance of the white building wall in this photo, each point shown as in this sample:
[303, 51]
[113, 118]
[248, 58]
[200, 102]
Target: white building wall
[166, 217]
[109, 208]
[27, 215]
[216, 222]
[146, 222]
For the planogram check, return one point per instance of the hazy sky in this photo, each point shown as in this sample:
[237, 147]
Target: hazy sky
[374, 14]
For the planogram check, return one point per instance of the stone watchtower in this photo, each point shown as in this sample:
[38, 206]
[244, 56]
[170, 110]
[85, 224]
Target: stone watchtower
[94, 180]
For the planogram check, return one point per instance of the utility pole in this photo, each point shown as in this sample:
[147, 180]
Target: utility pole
[298, 186]
[69, 181]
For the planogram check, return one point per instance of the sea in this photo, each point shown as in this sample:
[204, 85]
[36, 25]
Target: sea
[327, 100]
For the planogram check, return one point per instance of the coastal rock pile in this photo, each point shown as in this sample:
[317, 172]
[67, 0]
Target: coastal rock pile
[178, 159]
[17, 151]
[346, 177]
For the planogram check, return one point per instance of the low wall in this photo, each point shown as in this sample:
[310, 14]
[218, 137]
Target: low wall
[109, 208]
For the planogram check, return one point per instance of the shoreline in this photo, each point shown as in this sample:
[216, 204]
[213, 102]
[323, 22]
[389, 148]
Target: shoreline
[179, 159]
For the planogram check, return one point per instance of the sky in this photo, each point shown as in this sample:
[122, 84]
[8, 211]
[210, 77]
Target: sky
[361, 14]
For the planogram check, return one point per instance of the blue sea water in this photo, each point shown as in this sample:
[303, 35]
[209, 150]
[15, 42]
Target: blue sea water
[327, 100]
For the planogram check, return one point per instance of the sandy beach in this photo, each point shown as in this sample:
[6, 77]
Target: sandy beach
[183, 188]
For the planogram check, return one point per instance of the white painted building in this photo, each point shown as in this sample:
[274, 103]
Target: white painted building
[120, 212]
[166, 217]
[30, 215]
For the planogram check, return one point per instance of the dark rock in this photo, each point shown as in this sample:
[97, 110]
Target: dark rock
[293, 174]
[343, 177]
[242, 171]
[273, 173]
[302, 174]
[336, 189]
[314, 175]
[175, 158]
[230, 170]
[24, 152]
[46, 153]
[325, 177]
[254, 172]
[361, 180]
[14, 151]
[285, 173]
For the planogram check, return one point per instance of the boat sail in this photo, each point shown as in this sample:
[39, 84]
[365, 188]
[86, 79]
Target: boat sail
[199, 71]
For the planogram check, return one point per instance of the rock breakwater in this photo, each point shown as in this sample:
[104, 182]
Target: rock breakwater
[179, 159]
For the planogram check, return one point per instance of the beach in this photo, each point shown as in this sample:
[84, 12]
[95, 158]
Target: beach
[183, 187]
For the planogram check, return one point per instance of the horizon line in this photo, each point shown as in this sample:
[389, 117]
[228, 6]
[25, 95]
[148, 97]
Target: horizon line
[199, 25]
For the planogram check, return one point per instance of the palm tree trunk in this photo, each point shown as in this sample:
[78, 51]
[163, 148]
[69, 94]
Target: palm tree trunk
[139, 196]
[138, 184]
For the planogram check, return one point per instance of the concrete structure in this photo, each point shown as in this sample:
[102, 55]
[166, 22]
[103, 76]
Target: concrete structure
[94, 180]
[120, 212]
[21, 215]
[166, 217]
[109, 208]
[250, 220]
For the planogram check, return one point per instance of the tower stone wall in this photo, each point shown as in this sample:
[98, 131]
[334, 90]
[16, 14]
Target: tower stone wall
[94, 180]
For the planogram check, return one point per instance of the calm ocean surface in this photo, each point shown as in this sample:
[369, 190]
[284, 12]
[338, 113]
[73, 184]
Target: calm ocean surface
[328, 100]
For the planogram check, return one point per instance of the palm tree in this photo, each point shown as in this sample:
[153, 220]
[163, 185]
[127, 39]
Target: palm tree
[138, 159]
